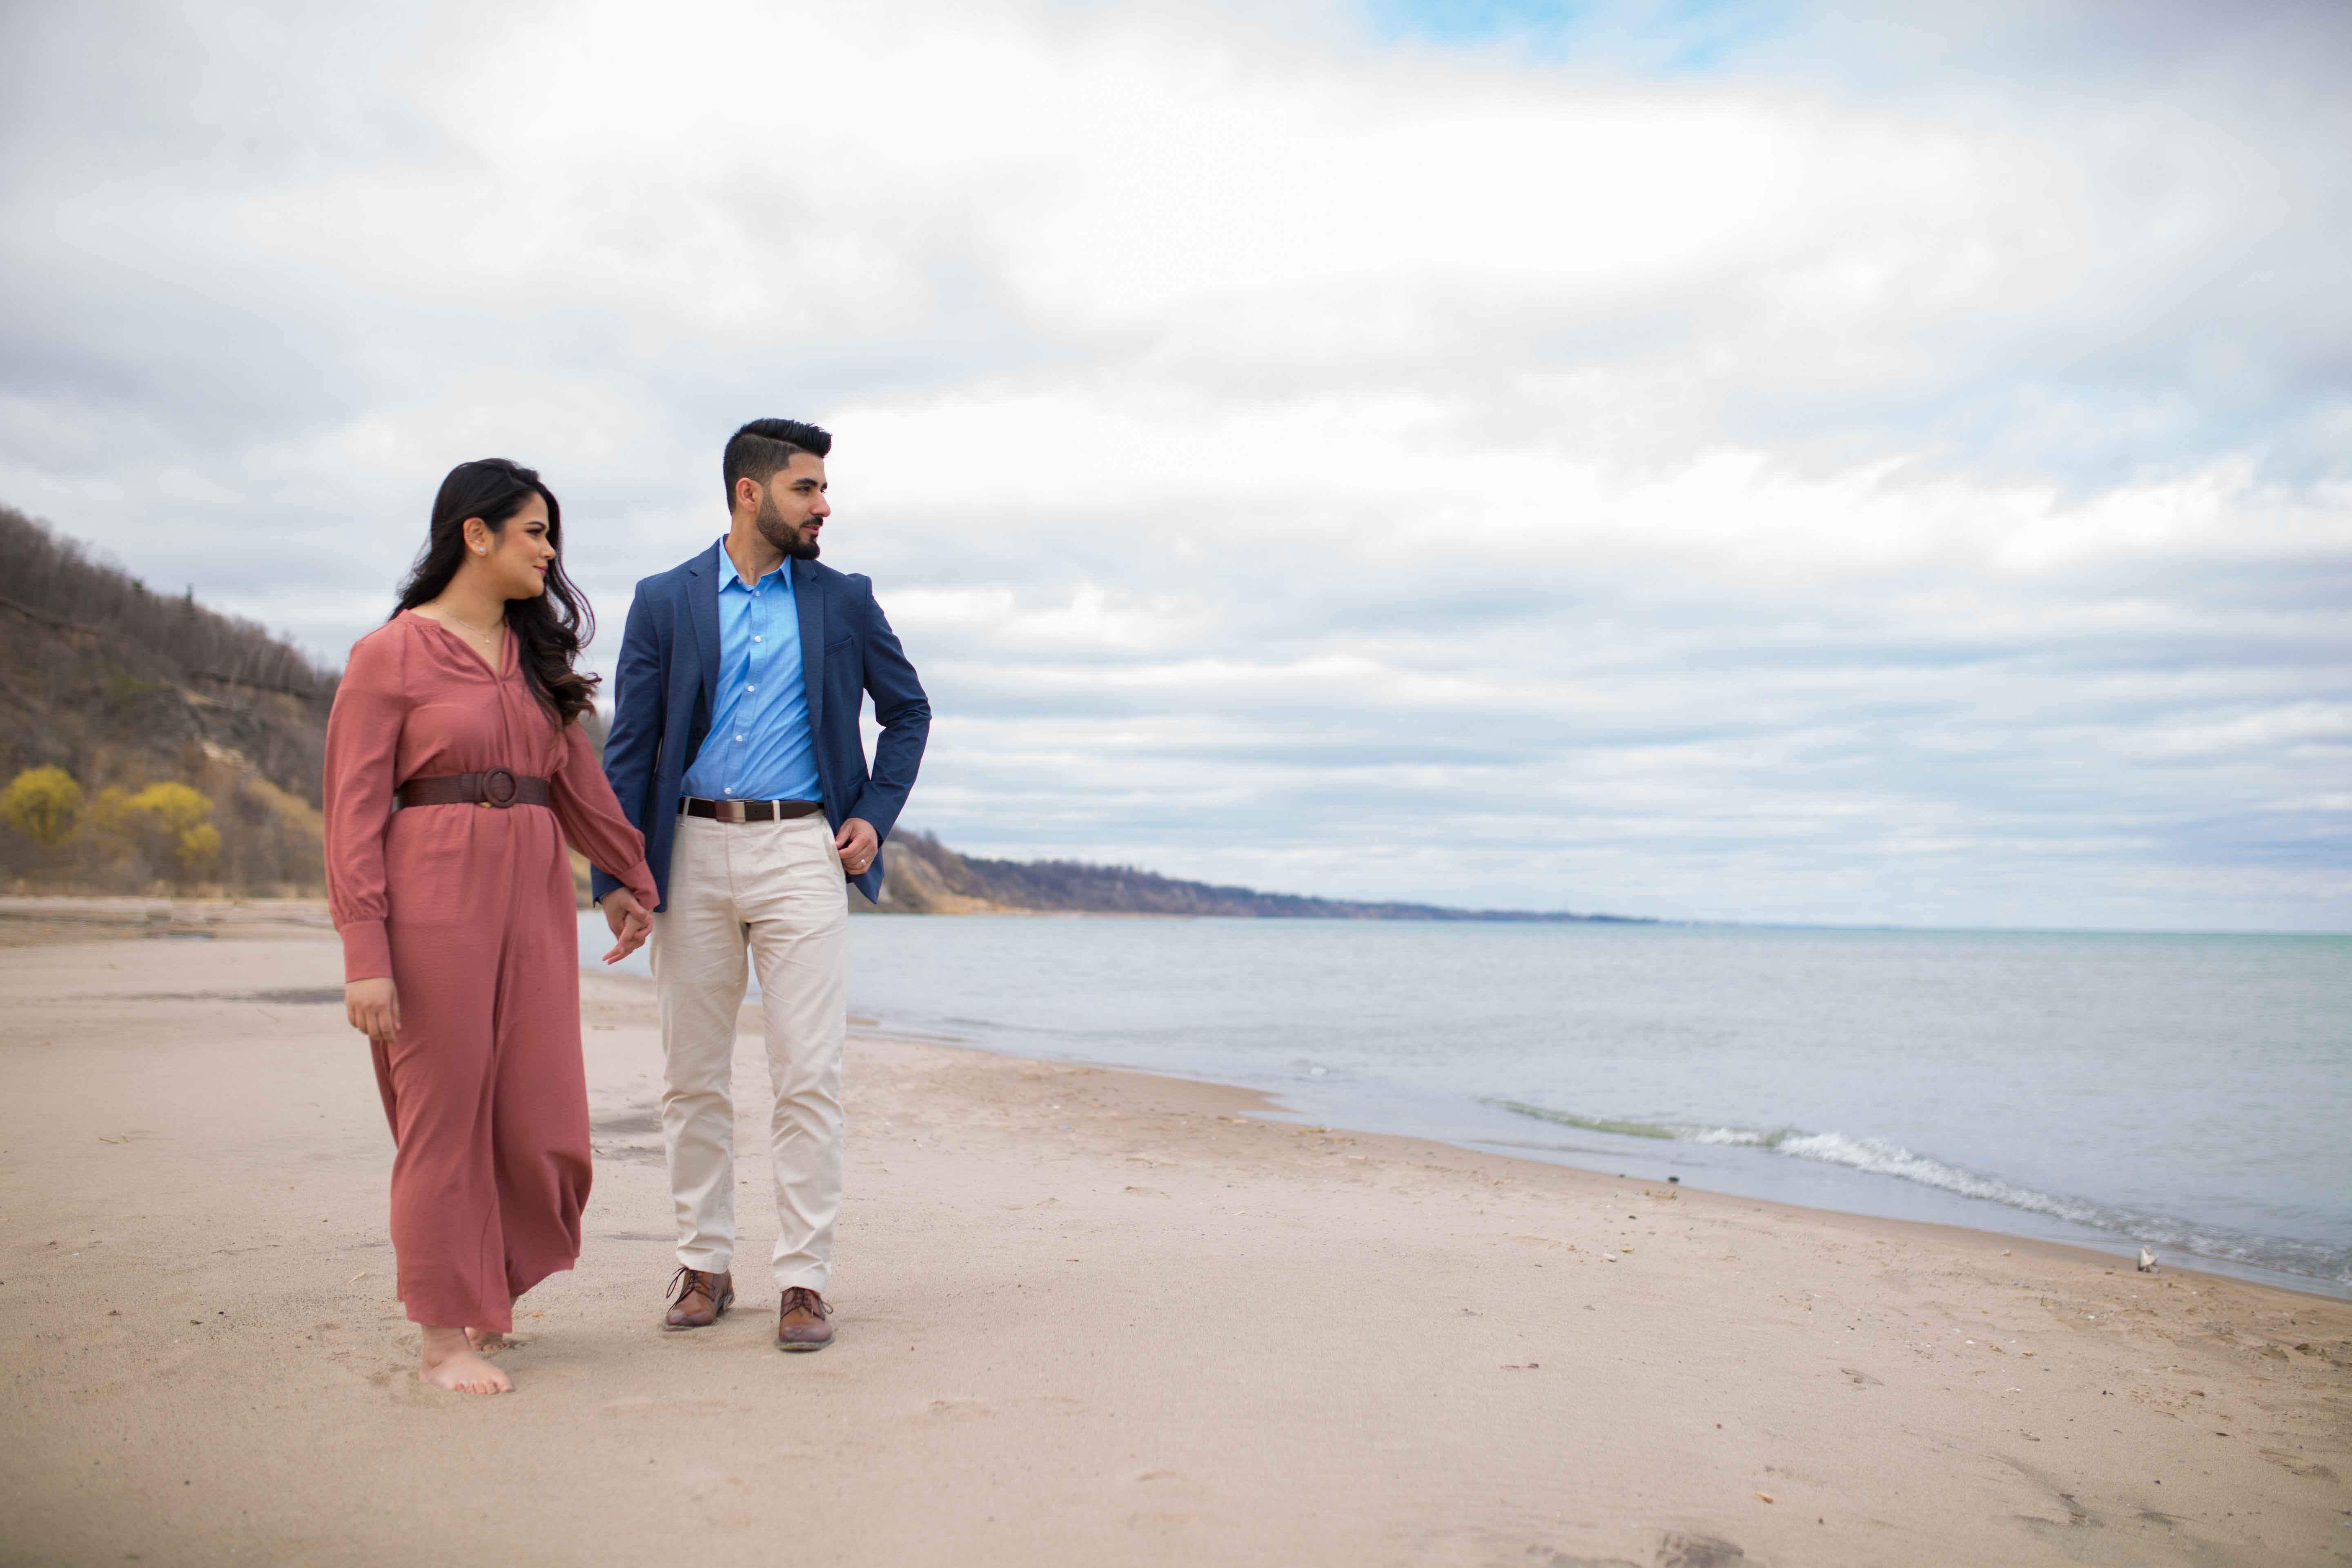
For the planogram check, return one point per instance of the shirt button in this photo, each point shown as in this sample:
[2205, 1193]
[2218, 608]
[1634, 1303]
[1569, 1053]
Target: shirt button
[755, 637]
[751, 688]
[739, 739]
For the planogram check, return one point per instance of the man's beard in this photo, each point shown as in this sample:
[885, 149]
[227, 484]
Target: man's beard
[779, 534]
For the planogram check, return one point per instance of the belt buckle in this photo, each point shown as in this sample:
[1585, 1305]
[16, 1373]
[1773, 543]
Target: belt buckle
[731, 811]
[499, 787]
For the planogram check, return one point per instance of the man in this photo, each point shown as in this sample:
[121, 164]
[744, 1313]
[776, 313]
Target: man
[735, 750]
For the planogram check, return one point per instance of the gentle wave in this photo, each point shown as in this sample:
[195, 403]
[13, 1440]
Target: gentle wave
[2312, 1260]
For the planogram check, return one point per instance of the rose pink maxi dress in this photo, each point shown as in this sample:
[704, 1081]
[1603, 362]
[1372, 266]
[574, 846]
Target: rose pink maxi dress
[470, 911]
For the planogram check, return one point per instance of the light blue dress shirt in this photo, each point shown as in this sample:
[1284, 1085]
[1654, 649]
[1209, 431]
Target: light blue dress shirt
[759, 746]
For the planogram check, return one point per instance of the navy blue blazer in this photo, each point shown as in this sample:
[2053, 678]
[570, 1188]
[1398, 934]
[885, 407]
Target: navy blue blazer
[669, 674]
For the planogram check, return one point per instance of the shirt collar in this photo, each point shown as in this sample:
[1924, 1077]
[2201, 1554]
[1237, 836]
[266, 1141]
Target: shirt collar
[727, 575]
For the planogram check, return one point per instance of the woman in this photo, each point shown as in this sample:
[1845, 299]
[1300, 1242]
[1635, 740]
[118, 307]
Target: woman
[456, 772]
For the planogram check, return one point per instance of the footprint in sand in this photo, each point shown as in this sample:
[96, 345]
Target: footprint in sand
[2293, 1465]
[1676, 1550]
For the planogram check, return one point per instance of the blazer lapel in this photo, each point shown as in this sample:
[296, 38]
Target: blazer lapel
[809, 599]
[702, 615]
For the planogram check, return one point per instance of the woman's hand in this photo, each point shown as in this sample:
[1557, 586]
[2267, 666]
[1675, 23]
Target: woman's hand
[373, 1008]
[628, 921]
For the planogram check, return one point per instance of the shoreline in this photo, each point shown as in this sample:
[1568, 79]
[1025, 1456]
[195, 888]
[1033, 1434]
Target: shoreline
[102, 906]
[1802, 1151]
[1088, 1315]
[1270, 1107]
[1264, 1105]
[84, 917]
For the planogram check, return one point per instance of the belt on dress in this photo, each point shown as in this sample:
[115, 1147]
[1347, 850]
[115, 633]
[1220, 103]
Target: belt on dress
[494, 786]
[747, 810]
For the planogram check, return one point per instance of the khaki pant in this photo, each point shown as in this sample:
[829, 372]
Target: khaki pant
[775, 887]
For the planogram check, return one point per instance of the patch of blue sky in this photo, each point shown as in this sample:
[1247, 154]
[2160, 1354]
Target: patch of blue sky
[1665, 35]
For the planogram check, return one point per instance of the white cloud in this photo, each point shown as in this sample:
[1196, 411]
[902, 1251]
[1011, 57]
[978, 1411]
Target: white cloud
[1829, 484]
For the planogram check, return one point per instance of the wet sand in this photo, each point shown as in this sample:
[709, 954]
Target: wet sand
[1087, 1317]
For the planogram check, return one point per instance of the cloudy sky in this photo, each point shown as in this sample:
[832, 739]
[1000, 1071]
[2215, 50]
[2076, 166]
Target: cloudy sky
[1743, 462]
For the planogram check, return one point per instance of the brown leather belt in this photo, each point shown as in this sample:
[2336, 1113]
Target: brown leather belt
[497, 787]
[747, 810]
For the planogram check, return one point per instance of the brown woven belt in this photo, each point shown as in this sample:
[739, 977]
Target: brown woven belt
[747, 810]
[498, 786]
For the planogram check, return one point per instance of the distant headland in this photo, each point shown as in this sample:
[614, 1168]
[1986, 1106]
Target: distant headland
[923, 876]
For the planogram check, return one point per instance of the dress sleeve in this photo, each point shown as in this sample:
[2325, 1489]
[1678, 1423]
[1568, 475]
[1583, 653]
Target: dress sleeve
[363, 749]
[591, 818]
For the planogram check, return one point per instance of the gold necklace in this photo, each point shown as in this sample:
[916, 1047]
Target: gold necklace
[489, 639]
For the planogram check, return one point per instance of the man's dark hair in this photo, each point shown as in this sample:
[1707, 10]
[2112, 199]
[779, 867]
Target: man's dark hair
[760, 448]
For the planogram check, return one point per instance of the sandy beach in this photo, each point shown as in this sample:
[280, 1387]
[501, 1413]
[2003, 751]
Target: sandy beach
[1086, 1317]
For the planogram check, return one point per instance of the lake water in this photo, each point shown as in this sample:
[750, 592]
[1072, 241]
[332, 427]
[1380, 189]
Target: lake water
[2192, 1093]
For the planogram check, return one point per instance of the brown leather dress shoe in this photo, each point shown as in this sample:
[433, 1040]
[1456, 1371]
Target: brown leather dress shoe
[699, 1299]
[801, 1321]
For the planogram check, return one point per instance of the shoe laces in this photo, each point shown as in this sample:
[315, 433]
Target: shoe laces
[693, 1282]
[802, 1296]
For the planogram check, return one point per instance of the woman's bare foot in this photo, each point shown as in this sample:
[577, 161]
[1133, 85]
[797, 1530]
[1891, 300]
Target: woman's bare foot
[450, 1362]
[489, 1341]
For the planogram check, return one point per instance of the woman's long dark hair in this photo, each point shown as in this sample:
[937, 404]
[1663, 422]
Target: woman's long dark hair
[550, 630]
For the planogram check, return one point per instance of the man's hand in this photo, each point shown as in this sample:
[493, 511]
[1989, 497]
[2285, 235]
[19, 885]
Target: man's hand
[373, 1008]
[629, 923]
[858, 844]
